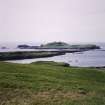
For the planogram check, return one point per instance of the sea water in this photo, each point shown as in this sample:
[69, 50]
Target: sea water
[92, 58]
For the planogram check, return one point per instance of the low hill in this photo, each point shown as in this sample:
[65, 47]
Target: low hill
[63, 45]
[56, 45]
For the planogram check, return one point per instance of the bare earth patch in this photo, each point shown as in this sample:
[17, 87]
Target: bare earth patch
[27, 97]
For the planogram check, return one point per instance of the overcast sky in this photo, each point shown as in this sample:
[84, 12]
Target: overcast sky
[52, 20]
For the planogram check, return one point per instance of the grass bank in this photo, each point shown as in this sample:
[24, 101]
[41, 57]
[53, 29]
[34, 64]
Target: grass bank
[28, 54]
[50, 83]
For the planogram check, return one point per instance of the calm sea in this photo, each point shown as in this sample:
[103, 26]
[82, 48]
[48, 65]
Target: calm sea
[93, 58]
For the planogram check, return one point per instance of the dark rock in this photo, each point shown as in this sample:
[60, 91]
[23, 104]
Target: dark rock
[24, 46]
[27, 47]
[3, 47]
[66, 65]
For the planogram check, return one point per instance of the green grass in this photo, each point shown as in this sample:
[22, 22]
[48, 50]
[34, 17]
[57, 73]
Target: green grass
[28, 54]
[50, 83]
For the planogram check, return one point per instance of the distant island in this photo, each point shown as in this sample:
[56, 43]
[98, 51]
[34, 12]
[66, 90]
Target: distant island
[61, 45]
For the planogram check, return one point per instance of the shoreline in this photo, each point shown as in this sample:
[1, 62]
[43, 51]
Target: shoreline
[22, 55]
[91, 67]
[19, 55]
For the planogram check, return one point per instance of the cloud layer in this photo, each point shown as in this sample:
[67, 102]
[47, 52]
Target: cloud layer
[52, 20]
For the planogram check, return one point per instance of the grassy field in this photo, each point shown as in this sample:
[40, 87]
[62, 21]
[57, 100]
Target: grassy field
[49, 83]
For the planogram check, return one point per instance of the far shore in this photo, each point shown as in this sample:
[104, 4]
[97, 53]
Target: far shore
[19, 55]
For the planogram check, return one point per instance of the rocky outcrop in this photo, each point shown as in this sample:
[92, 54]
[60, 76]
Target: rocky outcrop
[27, 47]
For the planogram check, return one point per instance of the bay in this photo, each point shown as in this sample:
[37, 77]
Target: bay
[92, 58]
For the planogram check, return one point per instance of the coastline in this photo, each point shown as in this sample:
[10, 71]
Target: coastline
[19, 55]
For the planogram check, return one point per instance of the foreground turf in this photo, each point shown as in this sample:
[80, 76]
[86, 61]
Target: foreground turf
[49, 83]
